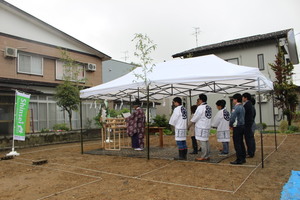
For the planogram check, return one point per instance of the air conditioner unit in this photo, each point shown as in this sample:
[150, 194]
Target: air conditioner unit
[91, 67]
[10, 52]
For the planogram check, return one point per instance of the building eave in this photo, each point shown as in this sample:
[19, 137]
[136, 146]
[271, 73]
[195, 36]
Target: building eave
[54, 30]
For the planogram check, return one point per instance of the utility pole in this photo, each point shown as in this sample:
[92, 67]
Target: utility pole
[196, 33]
[125, 55]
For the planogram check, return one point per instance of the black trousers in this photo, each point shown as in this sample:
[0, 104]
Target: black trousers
[135, 141]
[250, 140]
[238, 141]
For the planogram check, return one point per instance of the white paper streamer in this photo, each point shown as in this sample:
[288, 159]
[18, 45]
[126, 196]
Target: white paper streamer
[121, 105]
[164, 102]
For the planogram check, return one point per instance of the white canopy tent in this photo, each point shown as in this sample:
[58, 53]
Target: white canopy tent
[183, 77]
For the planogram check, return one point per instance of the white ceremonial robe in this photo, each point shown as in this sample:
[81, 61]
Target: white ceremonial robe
[179, 121]
[221, 121]
[202, 119]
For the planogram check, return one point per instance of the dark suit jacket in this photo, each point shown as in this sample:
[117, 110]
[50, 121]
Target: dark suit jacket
[248, 113]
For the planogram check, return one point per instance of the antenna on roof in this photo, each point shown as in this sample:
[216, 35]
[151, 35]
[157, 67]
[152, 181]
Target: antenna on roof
[196, 33]
[125, 55]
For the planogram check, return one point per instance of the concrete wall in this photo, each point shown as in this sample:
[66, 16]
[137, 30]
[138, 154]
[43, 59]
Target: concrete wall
[41, 139]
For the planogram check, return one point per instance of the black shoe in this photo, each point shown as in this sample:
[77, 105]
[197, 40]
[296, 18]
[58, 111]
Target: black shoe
[238, 162]
[194, 152]
[179, 158]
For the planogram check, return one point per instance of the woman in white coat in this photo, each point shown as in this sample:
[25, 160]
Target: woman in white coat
[221, 122]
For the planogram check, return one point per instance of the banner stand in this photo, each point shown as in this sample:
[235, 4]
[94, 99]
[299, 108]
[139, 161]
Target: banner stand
[13, 152]
[21, 108]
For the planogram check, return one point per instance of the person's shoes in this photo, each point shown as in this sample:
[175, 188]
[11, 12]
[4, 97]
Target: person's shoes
[194, 152]
[201, 159]
[223, 154]
[179, 158]
[249, 156]
[238, 162]
[138, 149]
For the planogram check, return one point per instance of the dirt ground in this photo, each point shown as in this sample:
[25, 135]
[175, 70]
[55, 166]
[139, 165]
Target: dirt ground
[72, 175]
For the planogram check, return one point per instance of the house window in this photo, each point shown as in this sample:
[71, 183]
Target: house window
[30, 64]
[74, 73]
[260, 59]
[233, 61]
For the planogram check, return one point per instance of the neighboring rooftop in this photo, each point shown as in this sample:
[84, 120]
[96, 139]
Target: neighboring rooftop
[231, 43]
[47, 28]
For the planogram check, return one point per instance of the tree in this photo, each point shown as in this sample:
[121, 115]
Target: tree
[67, 94]
[144, 47]
[285, 91]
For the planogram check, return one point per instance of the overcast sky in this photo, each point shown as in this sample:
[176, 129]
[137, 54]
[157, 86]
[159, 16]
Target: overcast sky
[110, 25]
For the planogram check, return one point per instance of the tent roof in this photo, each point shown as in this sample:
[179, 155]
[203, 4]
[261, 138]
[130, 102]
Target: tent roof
[183, 77]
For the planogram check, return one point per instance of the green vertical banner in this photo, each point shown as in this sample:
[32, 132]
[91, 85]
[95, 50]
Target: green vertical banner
[21, 108]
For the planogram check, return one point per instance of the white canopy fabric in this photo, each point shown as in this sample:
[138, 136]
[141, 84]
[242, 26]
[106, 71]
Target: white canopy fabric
[183, 77]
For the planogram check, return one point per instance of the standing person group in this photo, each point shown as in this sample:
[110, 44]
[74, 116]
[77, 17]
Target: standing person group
[241, 122]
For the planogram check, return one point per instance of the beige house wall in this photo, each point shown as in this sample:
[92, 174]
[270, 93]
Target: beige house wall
[8, 66]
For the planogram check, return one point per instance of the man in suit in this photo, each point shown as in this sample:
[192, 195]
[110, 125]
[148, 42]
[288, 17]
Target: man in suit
[249, 134]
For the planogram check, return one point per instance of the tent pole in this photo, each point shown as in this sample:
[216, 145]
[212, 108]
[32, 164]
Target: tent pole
[190, 95]
[260, 121]
[81, 134]
[274, 121]
[148, 124]
[130, 107]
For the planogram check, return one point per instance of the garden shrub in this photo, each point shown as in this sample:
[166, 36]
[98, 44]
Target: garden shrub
[161, 121]
[61, 127]
[45, 130]
[283, 127]
[261, 126]
[293, 128]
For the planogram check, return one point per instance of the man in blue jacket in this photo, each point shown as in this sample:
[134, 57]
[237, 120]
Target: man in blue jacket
[237, 124]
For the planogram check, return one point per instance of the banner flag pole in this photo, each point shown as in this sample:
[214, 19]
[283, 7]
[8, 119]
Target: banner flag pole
[20, 117]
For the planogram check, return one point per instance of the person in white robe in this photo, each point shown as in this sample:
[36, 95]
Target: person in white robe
[179, 121]
[202, 120]
[221, 122]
